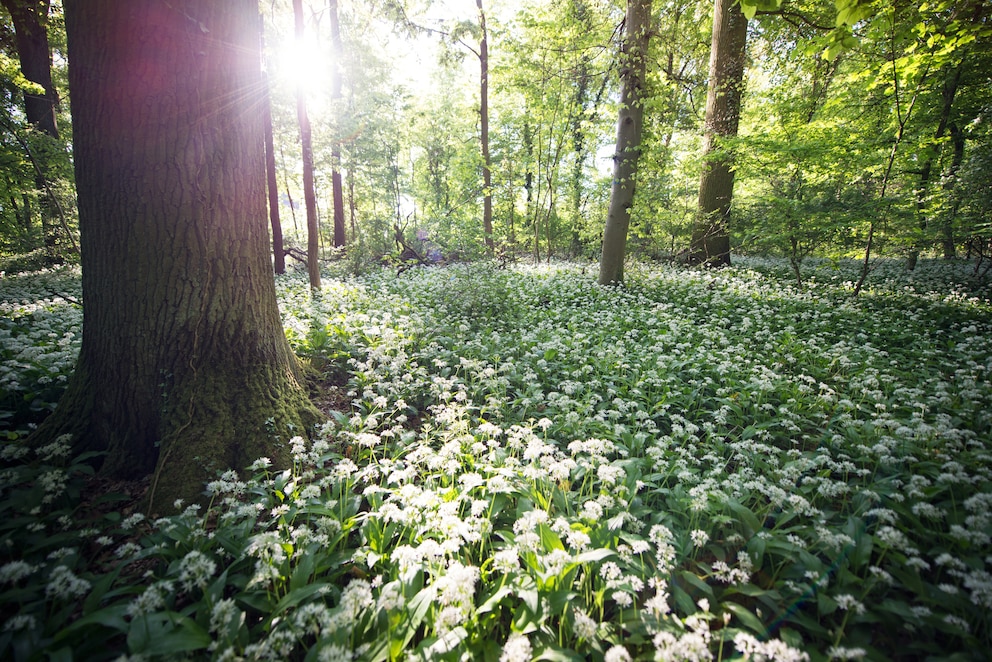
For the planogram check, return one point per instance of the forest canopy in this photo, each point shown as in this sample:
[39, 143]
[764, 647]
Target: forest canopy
[859, 121]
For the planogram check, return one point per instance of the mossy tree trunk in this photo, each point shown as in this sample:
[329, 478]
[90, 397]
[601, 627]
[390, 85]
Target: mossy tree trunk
[184, 368]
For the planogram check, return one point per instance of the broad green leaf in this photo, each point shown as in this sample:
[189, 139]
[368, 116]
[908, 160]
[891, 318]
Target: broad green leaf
[556, 654]
[746, 618]
[745, 517]
[111, 617]
[165, 634]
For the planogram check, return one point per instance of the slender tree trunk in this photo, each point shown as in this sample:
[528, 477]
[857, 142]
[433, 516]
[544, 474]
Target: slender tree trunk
[272, 185]
[487, 175]
[184, 368]
[711, 235]
[633, 65]
[579, 147]
[352, 205]
[948, 92]
[529, 182]
[309, 191]
[337, 190]
[951, 180]
[902, 120]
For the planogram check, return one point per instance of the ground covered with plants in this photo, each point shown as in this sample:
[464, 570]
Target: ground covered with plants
[520, 464]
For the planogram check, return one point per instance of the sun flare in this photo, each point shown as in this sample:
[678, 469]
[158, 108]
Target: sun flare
[304, 64]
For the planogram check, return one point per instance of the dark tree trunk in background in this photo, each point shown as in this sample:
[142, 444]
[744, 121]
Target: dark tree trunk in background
[947, 238]
[337, 189]
[711, 234]
[30, 19]
[529, 181]
[309, 191]
[633, 64]
[184, 368]
[272, 185]
[948, 92]
[487, 175]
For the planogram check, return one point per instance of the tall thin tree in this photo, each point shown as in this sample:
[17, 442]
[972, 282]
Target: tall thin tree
[337, 190]
[306, 141]
[633, 67]
[487, 174]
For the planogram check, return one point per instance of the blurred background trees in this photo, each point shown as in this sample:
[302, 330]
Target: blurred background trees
[868, 123]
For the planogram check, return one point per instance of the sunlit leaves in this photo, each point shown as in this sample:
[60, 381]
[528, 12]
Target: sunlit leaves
[752, 7]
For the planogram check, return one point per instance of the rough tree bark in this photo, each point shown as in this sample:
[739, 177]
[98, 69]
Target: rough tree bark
[710, 242]
[633, 65]
[184, 369]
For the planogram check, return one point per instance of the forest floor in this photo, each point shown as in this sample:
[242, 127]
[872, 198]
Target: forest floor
[519, 463]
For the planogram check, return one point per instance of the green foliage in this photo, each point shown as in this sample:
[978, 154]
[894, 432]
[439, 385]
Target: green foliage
[699, 461]
[40, 325]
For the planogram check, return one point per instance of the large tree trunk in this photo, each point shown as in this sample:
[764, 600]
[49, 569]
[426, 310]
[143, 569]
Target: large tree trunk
[633, 64]
[184, 368]
[487, 175]
[309, 191]
[711, 235]
[337, 189]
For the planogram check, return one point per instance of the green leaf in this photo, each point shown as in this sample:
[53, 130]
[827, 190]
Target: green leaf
[111, 617]
[303, 571]
[417, 608]
[493, 600]
[746, 618]
[549, 539]
[745, 517]
[295, 597]
[556, 654]
[696, 582]
[594, 555]
[165, 634]
[449, 641]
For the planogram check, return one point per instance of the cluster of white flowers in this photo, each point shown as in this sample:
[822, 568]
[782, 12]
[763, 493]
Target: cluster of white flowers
[14, 571]
[740, 574]
[63, 584]
[225, 615]
[150, 600]
[516, 649]
[455, 593]
[767, 651]
[196, 569]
